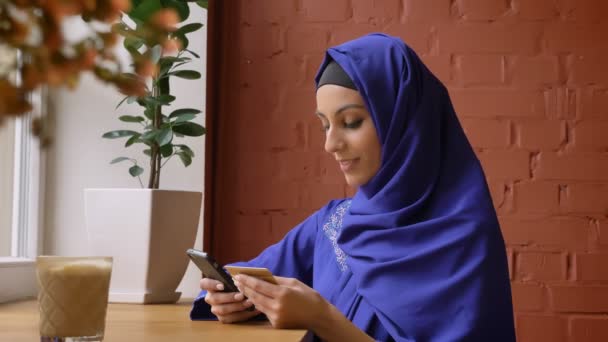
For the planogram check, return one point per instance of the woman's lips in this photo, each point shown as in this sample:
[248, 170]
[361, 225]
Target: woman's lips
[347, 165]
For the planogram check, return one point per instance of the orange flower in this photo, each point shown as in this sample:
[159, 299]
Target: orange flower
[165, 19]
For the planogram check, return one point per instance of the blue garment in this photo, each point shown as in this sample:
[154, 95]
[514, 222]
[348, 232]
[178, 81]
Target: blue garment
[418, 251]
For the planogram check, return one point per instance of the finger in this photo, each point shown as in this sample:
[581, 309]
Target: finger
[261, 302]
[289, 282]
[217, 298]
[258, 285]
[230, 308]
[211, 285]
[239, 316]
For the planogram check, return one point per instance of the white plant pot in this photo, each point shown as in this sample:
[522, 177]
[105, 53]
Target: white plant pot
[147, 232]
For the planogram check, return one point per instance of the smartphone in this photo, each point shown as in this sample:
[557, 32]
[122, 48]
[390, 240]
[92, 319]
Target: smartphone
[258, 272]
[211, 269]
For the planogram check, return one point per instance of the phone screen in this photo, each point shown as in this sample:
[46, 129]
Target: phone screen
[211, 269]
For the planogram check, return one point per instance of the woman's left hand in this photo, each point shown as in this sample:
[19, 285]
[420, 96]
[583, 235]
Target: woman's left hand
[290, 304]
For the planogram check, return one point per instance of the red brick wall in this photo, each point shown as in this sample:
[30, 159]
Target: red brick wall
[529, 81]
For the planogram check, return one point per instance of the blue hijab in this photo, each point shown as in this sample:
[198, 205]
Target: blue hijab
[421, 237]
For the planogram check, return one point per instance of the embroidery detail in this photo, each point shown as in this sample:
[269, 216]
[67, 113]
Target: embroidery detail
[332, 228]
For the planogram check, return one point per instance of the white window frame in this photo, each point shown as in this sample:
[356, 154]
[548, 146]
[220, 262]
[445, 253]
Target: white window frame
[17, 271]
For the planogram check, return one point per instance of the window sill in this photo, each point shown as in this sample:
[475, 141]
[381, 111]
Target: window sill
[18, 278]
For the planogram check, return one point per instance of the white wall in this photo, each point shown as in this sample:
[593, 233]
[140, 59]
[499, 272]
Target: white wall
[79, 157]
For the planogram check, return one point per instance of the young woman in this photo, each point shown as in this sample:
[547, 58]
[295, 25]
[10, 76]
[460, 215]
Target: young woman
[417, 253]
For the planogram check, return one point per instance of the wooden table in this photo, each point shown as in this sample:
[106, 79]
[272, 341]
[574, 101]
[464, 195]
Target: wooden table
[132, 323]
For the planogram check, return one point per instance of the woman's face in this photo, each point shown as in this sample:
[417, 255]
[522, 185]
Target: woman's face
[350, 135]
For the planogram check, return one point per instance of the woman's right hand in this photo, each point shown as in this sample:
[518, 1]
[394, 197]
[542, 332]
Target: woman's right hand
[229, 307]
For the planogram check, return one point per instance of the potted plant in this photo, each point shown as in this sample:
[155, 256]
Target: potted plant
[148, 230]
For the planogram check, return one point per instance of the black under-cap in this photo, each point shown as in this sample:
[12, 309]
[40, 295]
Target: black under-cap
[334, 74]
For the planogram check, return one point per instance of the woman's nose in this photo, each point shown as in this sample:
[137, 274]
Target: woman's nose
[333, 141]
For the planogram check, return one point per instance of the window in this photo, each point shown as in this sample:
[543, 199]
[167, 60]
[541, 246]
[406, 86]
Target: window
[20, 201]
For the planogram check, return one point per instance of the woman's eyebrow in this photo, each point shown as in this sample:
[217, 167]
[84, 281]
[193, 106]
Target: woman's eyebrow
[343, 108]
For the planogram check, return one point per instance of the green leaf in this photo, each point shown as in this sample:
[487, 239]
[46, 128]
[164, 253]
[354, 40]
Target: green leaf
[132, 140]
[166, 98]
[182, 9]
[187, 74]
[186, 159]
[119, 159]
[149, 136]
[145, 9]
[132, 44]
[190, 129]
[183, 111]
[118, 134]
[189, 28]
[135, 170]
[163, 84]
[148, 152]
[149, 113]
[166, 150]
[121, 102]
[184, 118]
[129, 118]
[203, 3]
[192, 53]
[164, 136]
[185, 149]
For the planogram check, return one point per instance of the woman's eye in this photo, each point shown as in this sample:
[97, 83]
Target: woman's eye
[325, 128]
[353, 124]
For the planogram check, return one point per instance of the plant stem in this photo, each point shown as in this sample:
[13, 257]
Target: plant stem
[155, 157]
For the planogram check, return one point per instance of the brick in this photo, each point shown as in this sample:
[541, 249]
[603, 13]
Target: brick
[540, 135]
[416, 36]
[325, 11]
[560, 102]
[283, 222]
[590, 299]
[567, 233]
[298, 166]
[583, 167]
[535, 71]
[251, 99]
[487, 133]
[248, 227]
[510, 256]
[430, 11]
[603, 232]
[304, 39]
[345, 32]
[594, 104]
[536, 328]
[540, 266]
[591, 266]
[588, 70]
[585, 11]
[505, 165]
[589, 329]
[376, 11]
[311, 66]
[268, 195]
[285, 70]
[498, 193]
[484, 10]
[296, 104]
[479, 70]
[519, 38]
[273, 135]
[316, 195]
[261, 41]
[536, 197]
[585, 198]
[439, 66]
[564, 37]
[491, 103]
[528, 297]
[330, 171]
[536, 9]
[256, 12]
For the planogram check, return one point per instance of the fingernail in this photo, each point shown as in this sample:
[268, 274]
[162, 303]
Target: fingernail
[239, 296]
[247, 303]
[237, 284]
[220, 287]
[237, 277]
